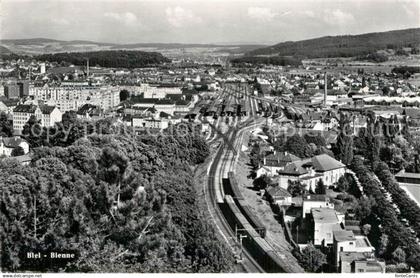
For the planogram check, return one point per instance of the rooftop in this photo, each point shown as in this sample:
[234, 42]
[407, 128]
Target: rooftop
[353, 256]
[324, 162]
[316, 198]
[362, 241]
[324, 215]
[404, 174]
[344, 235]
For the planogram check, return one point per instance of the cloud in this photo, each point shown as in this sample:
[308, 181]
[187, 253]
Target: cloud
[179, 17]
[127, 18]
[60, 21]
[308, 13]
[261, 14]
[409, 8]
[338, 17]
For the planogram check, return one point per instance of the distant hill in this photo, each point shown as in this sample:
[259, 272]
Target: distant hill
[342, 46]
[44, 46]
[5, 50]
[110, 58]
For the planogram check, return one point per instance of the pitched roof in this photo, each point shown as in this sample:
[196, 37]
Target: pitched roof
[46, 109]
[277, 191]
[293, 169]
[280, 159]
[25, 108]
[12, 142]
[324, 162]
[89, 109]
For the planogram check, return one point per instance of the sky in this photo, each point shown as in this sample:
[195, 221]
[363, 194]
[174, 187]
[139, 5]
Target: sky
[201, 21]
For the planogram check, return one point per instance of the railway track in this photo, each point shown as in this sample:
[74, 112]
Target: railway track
[214, 182]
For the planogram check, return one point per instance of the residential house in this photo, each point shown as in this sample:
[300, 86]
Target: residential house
[7, 105]
[310, 171]
[354, 262]
[8, 144]
[325, 222]
[278, 195]
[315, 201]
[277, 161]
[89, 111]
[346, 241]
[47, 115]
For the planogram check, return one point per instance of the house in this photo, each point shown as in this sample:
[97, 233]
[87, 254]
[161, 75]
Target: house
[160, 121]
[325, 222]
[8, 144]
[7, 105]
[354, 262]
[315, 201]
[47, 115]
[410, 182]
[89, 111]
[278, 195]
[277, 161]
[346, 241]
[310, 171]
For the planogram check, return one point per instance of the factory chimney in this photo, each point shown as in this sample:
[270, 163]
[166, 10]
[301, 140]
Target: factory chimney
[87, 67]
[325, 89]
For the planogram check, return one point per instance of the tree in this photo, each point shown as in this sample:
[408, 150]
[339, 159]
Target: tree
[311, 259]
[256, 156]
[383, 244]
[366, 229]
[262, 182]
[398, 256]
[345, 140]
[18, 151]
[124, 95]
[364, 207]
[298, 146]
[65, 198]
[317, 139]
[320, 187]
[32, 132]
[296, 188]
[343, 184]
[6, 126]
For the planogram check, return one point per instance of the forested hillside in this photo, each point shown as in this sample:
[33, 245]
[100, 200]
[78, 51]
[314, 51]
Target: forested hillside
[108, 58]
[343, 46]
[121, 202]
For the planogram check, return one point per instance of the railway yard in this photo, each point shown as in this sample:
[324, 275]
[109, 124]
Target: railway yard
[231, 114]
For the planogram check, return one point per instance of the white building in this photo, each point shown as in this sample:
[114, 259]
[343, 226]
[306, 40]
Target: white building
[315, 201]
[161, 91]
[69, 97]
[47, 115]
[310, 171]
[326, 221]
[346, 241]
[8, 144]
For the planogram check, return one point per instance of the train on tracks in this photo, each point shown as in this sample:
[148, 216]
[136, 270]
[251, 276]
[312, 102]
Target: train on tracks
[255, 244]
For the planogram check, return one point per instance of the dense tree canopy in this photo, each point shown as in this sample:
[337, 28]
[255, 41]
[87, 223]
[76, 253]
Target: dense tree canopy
[109, 58]
[122, 203]
[6, 126]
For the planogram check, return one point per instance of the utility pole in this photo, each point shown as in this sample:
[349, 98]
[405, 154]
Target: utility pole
[240, 239]
[35, 217]
[325, 89]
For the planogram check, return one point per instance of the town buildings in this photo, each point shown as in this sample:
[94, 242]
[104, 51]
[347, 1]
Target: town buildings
[47, 115]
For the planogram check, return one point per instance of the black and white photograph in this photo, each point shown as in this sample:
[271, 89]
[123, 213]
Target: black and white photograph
[140, 137]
